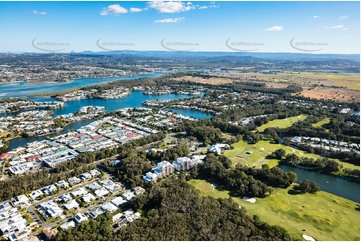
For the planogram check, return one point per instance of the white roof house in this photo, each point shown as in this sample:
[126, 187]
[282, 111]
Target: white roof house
[118, 201]
[138, 190]
[101, 192]
[5, 205]
[71, 204]
[68, 225]
[20, 200]
[74, 180]
[88, 197]
[150, 177]
[95, 173]
[95, 213]
[79, 191]
[79, 217]
[36, 194]
[85, 176]
[64, 198]
[93, 186]
[128, 195]
[49, 189]
[218, 148]
[51, 208]
[109, 207]
[62, 184]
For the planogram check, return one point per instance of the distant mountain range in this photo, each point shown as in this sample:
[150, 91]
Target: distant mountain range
[200, 54]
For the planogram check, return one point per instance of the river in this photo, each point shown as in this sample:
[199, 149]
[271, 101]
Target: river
[24, 89]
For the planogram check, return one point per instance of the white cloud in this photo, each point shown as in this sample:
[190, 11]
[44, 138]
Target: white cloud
[275, 28]
[343, 17]
[171, 6]
[340, 26]
[211, 5]
[114, 9]
[39, 13]
[315, 17]
[169, 20]
[135, 10]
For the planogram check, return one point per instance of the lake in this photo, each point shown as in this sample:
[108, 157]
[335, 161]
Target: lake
[329, 183]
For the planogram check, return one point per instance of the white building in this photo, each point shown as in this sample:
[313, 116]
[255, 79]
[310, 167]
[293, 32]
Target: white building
[118, 201]
[164, 168]
[12, 225]
[48, 190]
[67, 225]
[74, 180]
[79, 191]
[183, 163]
[101, 192]
[218, 148]
[150, 177]
[79, 217]
[71, 205]
[51, 208]
[64, 198]
[36, 194]
[62, 184]
[88, 197]
[95, 173]
[95, 213]
[109, 207]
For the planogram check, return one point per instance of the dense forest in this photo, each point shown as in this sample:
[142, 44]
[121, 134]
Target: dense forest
[166, 217]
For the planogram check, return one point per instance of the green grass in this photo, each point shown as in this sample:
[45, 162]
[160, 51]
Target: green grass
[323, 216]
[206, 189]
[321, 123]
[261, 149]
[282, 123]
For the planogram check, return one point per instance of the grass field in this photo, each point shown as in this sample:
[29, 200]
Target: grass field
[282, 123]
[255, 154]
[323, 216]
[321, 123]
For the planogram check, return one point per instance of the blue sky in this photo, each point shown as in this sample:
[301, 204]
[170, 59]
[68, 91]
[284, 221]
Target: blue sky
[313, 27]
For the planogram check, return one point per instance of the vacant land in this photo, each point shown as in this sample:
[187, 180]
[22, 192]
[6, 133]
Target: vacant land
[318, 85]
[282, 123]
[256, 154]
[343, 95]
[323, 216]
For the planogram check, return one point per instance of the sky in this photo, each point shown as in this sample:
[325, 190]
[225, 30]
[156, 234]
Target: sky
[300, 27]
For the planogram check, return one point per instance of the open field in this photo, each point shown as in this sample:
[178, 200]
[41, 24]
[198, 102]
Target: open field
[344, 95]
[318, 85]
[282, 123]
[212, 81]
[321, 123]
[256, 154]
[323, 216]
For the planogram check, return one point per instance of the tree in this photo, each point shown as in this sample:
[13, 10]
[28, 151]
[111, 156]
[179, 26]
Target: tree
[279, 154]
[307, 186]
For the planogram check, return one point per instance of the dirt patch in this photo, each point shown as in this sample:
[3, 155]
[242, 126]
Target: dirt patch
[343, 95]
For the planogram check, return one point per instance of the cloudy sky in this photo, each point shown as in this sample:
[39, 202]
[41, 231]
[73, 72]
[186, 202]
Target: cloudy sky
[314, 27]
